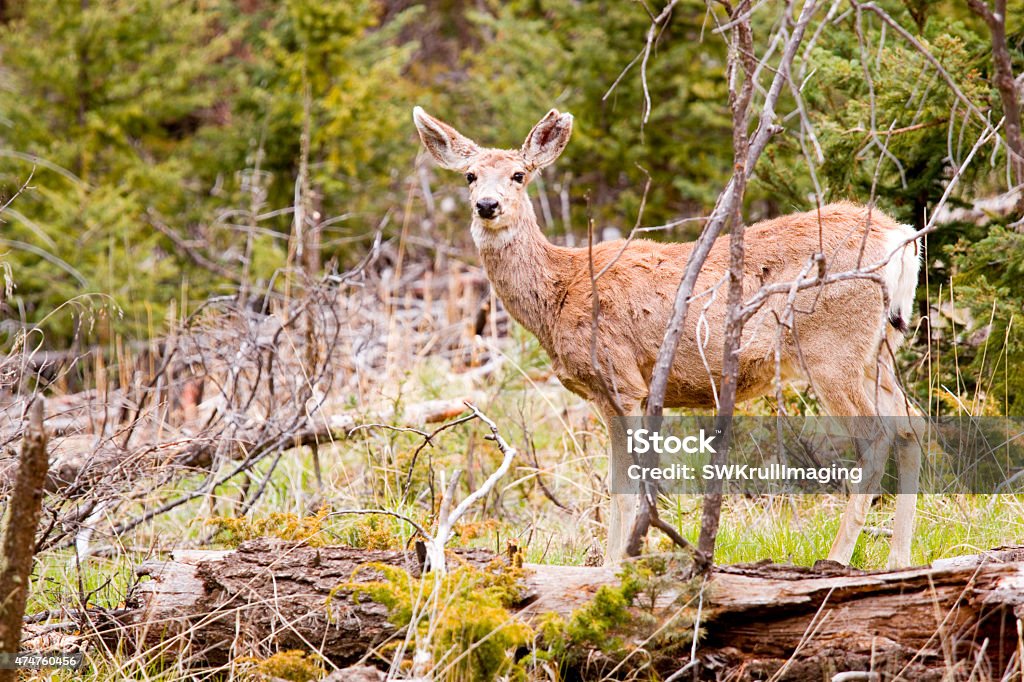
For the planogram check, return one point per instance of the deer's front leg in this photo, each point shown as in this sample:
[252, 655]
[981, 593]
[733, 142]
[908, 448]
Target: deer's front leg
[625, 493]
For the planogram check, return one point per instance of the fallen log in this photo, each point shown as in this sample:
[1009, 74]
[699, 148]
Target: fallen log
[757, 620]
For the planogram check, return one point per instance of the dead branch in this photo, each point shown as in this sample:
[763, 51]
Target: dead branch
[724, 210]
[446, 521]
[190, 250]
[233, 387]
[742, 58]
[728, 208]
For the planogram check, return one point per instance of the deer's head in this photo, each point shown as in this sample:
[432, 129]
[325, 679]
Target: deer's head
[497, 178]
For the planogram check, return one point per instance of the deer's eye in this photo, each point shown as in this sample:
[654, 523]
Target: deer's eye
[518, 177]
[470, 178]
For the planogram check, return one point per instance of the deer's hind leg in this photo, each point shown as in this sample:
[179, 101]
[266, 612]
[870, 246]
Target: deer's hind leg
[892, 401]
[877, 414]
[872, 448]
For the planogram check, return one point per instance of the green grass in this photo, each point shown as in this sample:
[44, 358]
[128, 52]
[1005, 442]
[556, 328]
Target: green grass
[800, 529]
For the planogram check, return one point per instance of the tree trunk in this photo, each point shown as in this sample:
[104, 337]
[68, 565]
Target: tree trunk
[1002, 78]
[758, 619]
[19, 543]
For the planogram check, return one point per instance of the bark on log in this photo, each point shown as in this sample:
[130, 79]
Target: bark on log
[810, 623]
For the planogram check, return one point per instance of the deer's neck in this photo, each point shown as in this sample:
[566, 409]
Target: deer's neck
[529, 273]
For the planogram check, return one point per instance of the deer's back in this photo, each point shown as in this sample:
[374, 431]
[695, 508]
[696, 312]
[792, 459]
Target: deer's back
[637, 292]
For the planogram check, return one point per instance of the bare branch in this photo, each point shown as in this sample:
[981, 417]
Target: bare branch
[724, 210]
[446, 521]
[385, 512]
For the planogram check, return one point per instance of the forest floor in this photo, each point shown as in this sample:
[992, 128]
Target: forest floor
[550, 505]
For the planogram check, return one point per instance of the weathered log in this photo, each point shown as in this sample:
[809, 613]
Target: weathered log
[809, 623]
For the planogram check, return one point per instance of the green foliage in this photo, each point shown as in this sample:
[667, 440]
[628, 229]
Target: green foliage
[857, 88]
[988, 277]
[127, 114]
[463, 615]
[94, 105]
[324, 61]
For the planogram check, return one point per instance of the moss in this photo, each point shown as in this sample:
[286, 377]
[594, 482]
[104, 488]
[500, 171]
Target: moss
[471, 530]
[465, 620]
[462, 618]
[292, 665]
[621, 619]
[309, 529]
[372, 531]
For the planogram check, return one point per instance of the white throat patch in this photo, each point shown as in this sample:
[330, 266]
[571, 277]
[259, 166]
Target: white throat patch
[488, 238]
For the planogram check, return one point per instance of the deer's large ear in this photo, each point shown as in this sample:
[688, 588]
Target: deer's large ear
[548, 138]
[449, 148]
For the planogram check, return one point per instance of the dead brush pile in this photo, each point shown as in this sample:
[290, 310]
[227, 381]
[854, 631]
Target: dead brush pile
[236, 383]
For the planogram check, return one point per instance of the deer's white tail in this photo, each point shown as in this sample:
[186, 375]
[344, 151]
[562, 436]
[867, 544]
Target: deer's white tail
[900, 274]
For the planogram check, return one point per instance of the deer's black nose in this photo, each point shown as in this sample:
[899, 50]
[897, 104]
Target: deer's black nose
[487, 208]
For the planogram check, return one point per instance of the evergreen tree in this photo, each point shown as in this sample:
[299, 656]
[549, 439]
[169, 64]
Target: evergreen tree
[100, 100]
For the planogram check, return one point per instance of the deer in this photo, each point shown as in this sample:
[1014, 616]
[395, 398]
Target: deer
[840, 342]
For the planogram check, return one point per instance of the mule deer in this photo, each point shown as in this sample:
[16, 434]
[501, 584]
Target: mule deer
[836, 342]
